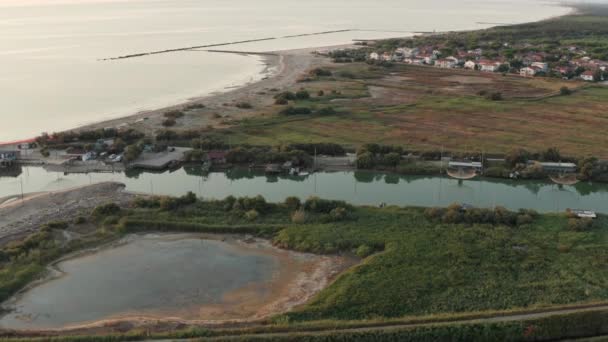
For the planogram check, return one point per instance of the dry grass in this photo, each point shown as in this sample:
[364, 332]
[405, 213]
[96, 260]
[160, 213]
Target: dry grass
[425, 108]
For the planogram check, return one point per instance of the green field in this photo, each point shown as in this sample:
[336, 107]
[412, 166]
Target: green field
[419, 265]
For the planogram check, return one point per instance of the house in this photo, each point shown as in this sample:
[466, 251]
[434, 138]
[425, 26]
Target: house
[397, 57]
[542, 65]
[428, 58]
[374, 56]
[387, 57]
[445, 63]
[470, 65]
[529, 71]
[217, 157]
[489, 66]
[588, 76]
[8, 158]
[408, 52]
[564, 70]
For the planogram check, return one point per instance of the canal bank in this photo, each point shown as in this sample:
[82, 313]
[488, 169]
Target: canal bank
[356, 187]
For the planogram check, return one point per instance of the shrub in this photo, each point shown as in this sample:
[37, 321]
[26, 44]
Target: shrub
[295, 111]
[363, 251]
[496, 96]
[327, 111]
[252, 215]
[565, 91]
[80, 220]
[281, 101]
[174, 114]
[286, 95]
[244, 105]
[320, 93]
[293, 203]
[169, 122]
[57, 225]
[299, 217]
[106, 210]
[579, 225]
[318, 205]
[302, 94]
[320, 72]
[338, 214]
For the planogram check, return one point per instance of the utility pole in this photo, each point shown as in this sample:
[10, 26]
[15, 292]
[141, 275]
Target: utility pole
[21, 181]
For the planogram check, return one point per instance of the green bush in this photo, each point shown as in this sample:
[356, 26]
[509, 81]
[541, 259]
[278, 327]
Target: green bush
[109, 209]
[293, 203]
[295, 111]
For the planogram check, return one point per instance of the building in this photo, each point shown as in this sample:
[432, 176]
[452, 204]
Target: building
[588, 76]
[446, 63]
[470, 65]
[8, 158]
[559, 167]
[374, 55]
[529, 71]
[542, 65]
[489, 66]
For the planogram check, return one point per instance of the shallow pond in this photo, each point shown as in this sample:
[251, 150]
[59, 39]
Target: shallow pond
[169, 275]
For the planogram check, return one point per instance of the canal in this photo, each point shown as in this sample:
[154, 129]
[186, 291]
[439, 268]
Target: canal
[357, 187]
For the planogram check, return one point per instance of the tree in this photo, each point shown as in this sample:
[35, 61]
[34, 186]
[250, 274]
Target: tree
[132, 152]
[565, 91]
[392, 159]
[552, 154]
[504, 68]
[365, 161]
[517, 156]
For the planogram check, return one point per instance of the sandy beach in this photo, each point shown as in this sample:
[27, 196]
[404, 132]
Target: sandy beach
[283, 68]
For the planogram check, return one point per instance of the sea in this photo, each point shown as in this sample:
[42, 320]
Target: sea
[54, 76]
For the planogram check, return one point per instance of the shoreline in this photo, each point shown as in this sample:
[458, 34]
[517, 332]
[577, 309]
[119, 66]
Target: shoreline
[290, 287]
[281, 70]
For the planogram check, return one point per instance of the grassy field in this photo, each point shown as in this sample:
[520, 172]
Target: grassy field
[425, 108]
[407, 106]
[416, 267]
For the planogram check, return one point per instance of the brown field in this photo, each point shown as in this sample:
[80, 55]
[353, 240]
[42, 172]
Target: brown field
[425, 108]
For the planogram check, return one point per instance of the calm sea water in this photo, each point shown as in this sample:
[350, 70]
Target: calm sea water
[51, 78]
[359, 187]
[166, 275]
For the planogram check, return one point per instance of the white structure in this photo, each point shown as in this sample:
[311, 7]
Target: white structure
[489, 66]
[588, 76]
[374, 55]
[446, 63]
[529, 71]
[583, 213]
[542, 65]
[470, 65]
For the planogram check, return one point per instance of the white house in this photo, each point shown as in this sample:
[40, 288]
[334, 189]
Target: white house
[529, 71]
[542, 65]
[445, 63]
[374, 56]
[408, 52]
[489, 66]
[588, 76]
[470, 65]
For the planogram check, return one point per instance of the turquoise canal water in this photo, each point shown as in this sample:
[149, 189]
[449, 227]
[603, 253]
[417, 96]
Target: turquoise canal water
[357, 187]
[170, 275]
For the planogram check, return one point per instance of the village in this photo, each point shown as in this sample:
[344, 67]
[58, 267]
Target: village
[570, 62]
